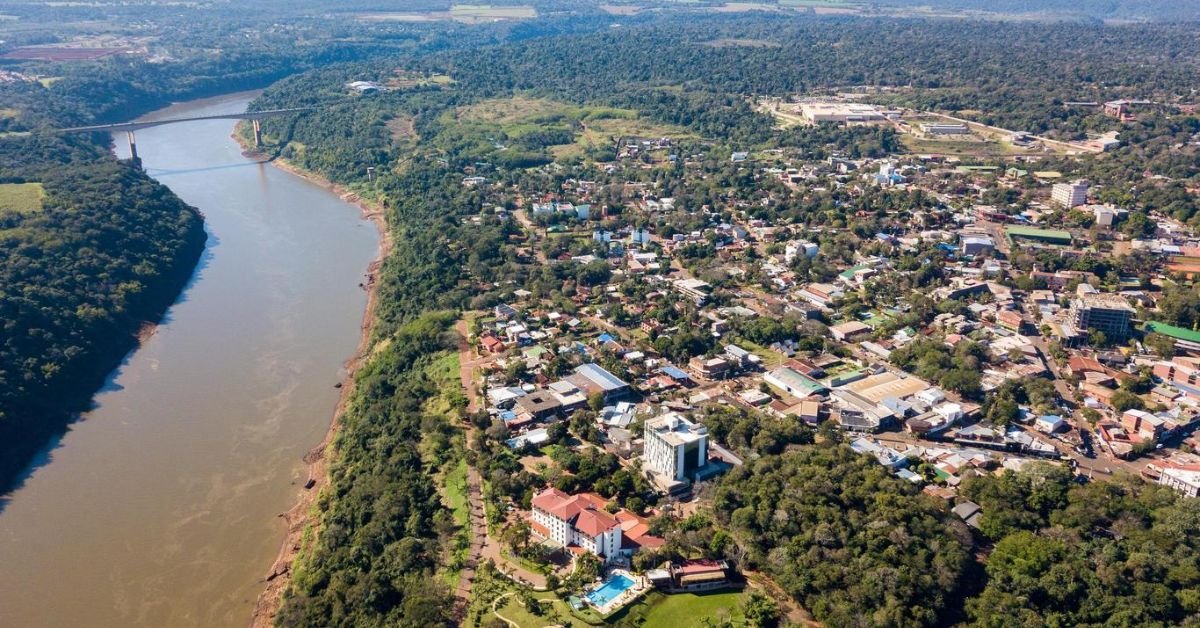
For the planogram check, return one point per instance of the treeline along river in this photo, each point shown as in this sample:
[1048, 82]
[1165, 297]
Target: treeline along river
[159, 507]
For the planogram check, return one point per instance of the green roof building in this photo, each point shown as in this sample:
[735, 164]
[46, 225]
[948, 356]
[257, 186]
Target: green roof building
[1044, 236]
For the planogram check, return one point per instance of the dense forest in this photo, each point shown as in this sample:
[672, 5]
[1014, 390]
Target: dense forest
[1103, 553]
[855, 545]
[108, 252]
[1094, 9]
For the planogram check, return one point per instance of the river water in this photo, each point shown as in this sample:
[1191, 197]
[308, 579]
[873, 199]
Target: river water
[159, 508]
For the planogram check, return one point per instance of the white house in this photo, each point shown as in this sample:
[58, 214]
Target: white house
[949, 411]
[1049, 423]
[931, 396]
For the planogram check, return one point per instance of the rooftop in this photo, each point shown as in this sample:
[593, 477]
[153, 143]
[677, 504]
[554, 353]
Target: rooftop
[1180, 333]
[675, 429]
[602, 378]
[1101, 300]
[1034, 232]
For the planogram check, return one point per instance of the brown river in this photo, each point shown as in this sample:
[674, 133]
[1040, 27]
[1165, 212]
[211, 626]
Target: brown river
[160, 507]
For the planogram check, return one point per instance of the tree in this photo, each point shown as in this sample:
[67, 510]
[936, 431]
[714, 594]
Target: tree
[516, 536]
[595, 401]
[1123, 400]
[760, 611]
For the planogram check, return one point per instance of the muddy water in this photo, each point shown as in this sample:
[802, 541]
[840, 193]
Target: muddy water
[159, 508]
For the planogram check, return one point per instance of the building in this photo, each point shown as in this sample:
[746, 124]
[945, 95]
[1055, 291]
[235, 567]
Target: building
[1180, 370]
[1069, 194]
[694, 289]
[1107, 313]
[976, 245]
[936, 130]
[1184, 478]
[693, 575]
[1106, 215]
[576, 521]
[796, 248]
[1049, 423]
[1146, 426]
[675, 449]
[793, 382]
[592, 378]
[1010, 320]
[841, 113]
[538, 405]
[850, 331]
[820, 294]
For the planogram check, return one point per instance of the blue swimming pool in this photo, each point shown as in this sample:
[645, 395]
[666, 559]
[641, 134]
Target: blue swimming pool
[610, 590]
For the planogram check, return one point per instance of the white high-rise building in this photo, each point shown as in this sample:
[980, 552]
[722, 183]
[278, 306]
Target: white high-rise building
[675, 447]
[1069, 194]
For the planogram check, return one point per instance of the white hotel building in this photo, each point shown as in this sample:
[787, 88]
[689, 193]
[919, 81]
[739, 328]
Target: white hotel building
[576, 521]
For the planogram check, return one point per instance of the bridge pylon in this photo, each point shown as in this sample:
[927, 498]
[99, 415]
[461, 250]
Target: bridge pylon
[257, 132]
[133, 156]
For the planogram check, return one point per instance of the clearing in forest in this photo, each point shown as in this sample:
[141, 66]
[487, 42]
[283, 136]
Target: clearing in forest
[21, 198]
[564, 129]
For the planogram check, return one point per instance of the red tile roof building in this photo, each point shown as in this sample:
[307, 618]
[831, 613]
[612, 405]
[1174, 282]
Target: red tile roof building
[576, 521]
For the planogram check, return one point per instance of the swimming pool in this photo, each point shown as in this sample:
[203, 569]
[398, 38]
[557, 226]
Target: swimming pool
[610, 590]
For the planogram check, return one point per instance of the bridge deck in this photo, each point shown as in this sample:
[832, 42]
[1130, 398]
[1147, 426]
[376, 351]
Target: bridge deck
[134, 126]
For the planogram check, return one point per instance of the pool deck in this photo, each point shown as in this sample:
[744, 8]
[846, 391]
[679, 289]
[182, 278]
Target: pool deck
[638, 589]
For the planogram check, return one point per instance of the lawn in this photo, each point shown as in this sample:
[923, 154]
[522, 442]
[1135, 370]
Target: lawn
[555, 611]
[444, 372]
[519, 116]
[771, 359]
[21, 198]
[455, 498]
[686, 609]
[964, 148]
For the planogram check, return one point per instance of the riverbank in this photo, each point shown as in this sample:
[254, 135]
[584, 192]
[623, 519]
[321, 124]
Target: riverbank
[302, 514]
[39, 413]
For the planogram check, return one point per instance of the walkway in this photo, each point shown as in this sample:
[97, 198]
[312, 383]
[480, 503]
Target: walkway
[495, 612]
[482, 546]
[476, 512]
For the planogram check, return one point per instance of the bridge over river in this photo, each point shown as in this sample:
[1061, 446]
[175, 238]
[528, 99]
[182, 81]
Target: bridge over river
[130, 127]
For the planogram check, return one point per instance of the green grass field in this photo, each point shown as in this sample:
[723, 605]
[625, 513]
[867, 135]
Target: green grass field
[21, 198]
[656, 609]
[455, 498]
[555, 612]
[684, 609]
[519, 116]
[677, 610]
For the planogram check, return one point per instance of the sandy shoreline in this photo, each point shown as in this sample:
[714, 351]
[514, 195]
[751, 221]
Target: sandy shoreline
[300, 515]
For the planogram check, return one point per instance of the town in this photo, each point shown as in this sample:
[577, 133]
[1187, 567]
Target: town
[948, 318]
